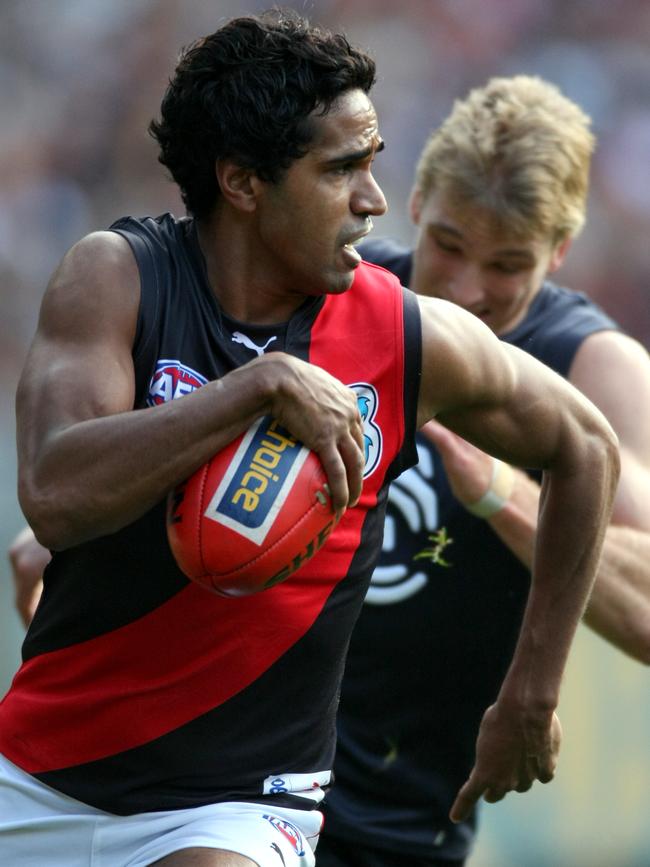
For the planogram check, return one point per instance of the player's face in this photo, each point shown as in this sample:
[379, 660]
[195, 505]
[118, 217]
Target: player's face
[461, 258]
[323, 205]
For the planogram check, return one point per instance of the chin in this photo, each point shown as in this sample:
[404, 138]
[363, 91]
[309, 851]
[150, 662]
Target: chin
[340, 282]
[330, 281]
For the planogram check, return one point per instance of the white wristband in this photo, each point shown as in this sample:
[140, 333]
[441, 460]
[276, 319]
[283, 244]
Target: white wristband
[497, 495]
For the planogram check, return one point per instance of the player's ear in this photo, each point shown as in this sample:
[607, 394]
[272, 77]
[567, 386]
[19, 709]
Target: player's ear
[559, 254]
[415, 205]
[238, 185]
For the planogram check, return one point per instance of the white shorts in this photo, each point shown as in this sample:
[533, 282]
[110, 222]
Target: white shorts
[40, 827]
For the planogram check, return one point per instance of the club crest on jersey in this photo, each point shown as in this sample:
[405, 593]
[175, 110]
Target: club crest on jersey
[368, 402]
[258, 480]
[171, 380]
[289, 832]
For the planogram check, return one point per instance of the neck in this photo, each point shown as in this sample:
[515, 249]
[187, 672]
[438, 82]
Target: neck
[239, 275]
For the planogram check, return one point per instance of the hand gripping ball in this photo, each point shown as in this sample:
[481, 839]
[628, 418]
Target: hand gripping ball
[253, 514]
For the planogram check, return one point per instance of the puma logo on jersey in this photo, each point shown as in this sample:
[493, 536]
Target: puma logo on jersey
[245, 340]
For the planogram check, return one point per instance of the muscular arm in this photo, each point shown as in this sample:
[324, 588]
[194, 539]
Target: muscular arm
[619, 606]
[510, 405]
[88, 464]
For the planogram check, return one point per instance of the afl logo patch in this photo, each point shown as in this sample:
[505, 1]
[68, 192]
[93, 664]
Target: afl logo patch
[368, 402]
[289, 832]
[171, 380]
[258, 480]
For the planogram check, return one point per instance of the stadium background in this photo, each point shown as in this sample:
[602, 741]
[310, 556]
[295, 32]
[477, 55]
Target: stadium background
[82, 78]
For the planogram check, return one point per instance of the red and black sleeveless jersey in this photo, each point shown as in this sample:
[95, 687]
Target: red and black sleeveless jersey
[142, 691]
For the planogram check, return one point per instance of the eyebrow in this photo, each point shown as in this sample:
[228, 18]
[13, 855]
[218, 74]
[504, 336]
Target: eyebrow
[357, 156]
[514, 252]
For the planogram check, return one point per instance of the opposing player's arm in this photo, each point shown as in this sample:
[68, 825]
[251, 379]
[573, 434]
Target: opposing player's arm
[511, 406]
[88, 465]
[28, 560]
[614, 372]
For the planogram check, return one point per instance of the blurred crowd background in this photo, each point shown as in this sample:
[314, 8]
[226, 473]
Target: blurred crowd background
[81, 80]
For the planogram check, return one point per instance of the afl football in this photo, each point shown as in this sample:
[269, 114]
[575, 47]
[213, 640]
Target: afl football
[253, 514]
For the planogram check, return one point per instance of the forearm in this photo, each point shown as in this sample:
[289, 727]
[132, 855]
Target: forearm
[516, 523]
[575, 508]
[95, 476]
[619, 605]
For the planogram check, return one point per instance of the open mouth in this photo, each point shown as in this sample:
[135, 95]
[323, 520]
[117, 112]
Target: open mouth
[349, 248]
[359, 236]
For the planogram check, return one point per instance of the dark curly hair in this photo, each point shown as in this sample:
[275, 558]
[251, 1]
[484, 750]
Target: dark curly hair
[246, 92]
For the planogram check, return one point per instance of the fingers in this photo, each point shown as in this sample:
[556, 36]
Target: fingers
[546, 770]
[471, 792]
[343, 458]
[352, 454]
[527, 774]
[337, 477]
[492, 796]
[466, 800]
[531, 769]
[508, 759]
[323, 413]
[542, 759]
[344, 468]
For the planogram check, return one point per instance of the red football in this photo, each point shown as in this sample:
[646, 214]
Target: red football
[253, 514]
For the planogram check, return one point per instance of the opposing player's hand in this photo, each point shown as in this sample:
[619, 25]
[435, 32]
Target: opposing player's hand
[28, 559]
[468, 469]
[323, 414]
[511, 753]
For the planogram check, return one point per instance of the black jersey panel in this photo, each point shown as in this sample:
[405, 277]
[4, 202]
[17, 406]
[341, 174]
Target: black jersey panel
[557, 323]
[412, 379]
[82, 598]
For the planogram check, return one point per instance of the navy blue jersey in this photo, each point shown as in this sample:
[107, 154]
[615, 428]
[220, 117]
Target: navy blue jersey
[433, 644]
[142, 691]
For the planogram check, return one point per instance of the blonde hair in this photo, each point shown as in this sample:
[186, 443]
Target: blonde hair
[517, 148]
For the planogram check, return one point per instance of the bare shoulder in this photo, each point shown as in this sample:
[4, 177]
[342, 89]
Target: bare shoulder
[86, 327]
[604, 348]
[96, 283]
[613, 370]
[463, 362]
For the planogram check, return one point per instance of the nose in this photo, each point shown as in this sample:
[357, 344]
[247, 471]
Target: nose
[369, 198]
[465, 286]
